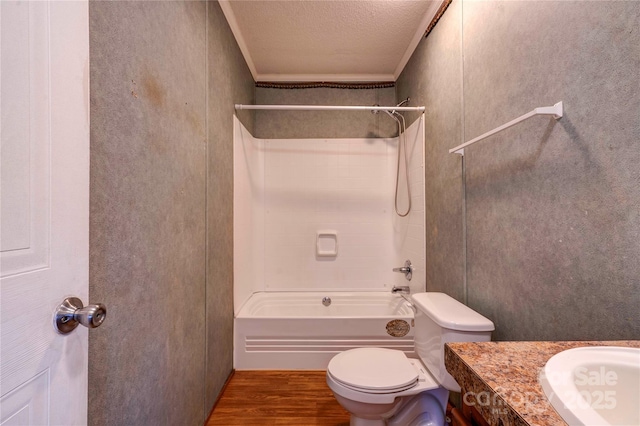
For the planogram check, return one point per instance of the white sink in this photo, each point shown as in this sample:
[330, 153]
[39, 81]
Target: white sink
[598, 385]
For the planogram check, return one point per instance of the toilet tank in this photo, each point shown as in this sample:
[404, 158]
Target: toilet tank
[441, 319]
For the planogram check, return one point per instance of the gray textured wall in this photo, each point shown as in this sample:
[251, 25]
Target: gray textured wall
[230, 82]
[324, 124]
[160, 155]
[433, 78]
[552, 208]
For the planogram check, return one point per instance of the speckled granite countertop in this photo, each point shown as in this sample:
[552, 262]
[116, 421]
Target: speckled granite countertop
[501, 378]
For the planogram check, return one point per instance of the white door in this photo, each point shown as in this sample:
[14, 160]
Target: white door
[44, 214]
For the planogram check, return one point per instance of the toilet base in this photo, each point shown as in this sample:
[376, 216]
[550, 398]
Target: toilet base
[368, 414]
[423, 409]
[357, 421]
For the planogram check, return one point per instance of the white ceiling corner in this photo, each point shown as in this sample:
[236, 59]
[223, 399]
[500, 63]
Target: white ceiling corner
[328, 40]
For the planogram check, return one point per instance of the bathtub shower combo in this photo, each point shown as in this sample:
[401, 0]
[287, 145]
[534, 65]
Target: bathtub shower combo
[322, 228]
[304, 330]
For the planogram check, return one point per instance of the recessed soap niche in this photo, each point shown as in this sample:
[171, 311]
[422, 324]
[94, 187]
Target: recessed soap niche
[327, 244]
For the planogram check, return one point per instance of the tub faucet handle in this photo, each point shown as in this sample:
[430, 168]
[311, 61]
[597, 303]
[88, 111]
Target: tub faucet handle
[402, 289]
[407, 269]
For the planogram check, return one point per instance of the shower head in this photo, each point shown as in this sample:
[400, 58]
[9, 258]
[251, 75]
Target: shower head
[394, 112]
[404, 102]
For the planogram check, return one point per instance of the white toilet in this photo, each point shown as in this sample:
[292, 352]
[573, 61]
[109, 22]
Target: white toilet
[384, 387]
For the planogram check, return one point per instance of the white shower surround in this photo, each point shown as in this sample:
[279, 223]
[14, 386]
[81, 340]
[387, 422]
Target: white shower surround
[285, 190]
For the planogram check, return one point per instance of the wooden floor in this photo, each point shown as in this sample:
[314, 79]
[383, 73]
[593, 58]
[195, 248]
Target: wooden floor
[300, 398]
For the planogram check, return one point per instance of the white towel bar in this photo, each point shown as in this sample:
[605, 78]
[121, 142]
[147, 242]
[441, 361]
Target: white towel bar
[555, 110]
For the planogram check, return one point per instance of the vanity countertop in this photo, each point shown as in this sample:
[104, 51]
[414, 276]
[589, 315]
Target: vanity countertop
[501, 378]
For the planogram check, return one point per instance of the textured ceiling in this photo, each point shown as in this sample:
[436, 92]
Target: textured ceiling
[328, 40]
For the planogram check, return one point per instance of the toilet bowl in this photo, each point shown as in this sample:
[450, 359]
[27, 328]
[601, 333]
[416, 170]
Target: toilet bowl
[383, 387]
[373, 384]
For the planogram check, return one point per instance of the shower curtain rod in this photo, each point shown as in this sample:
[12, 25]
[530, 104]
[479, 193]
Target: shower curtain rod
[328, 108]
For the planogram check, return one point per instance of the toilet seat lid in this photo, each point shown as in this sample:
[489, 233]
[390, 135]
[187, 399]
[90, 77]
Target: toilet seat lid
[373, 369]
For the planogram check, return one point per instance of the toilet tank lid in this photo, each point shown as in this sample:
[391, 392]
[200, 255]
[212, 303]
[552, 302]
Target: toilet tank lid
[447, 312]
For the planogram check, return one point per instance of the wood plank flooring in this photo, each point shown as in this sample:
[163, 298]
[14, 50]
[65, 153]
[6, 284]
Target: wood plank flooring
[300, 398]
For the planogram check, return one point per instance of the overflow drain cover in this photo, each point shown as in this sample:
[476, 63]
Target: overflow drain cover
[398, 328]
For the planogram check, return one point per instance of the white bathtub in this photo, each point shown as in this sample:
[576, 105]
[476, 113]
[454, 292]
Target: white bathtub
[295, 331]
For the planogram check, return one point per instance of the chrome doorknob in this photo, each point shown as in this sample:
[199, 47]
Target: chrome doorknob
[71, 312]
